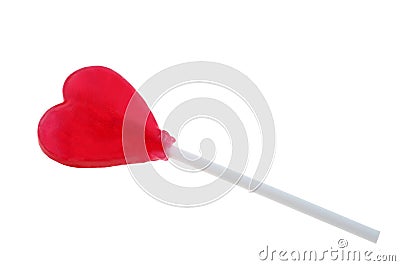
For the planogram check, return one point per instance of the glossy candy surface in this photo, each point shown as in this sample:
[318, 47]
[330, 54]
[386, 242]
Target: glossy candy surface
[86, 129]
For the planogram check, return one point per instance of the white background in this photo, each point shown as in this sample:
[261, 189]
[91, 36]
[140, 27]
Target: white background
[329, 71]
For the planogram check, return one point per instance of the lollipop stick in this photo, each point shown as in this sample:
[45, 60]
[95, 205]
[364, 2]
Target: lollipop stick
[275, 194]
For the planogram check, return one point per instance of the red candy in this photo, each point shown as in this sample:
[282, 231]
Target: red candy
[86, 129]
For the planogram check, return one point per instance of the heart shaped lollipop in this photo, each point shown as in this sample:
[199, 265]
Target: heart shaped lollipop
[86, 130]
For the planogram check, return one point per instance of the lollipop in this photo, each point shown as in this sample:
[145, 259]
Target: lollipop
[94, 127]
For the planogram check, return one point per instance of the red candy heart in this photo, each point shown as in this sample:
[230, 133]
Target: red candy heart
[86, 129]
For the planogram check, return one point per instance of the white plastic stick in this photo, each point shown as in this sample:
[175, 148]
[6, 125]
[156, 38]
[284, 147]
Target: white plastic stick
[277, 195]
